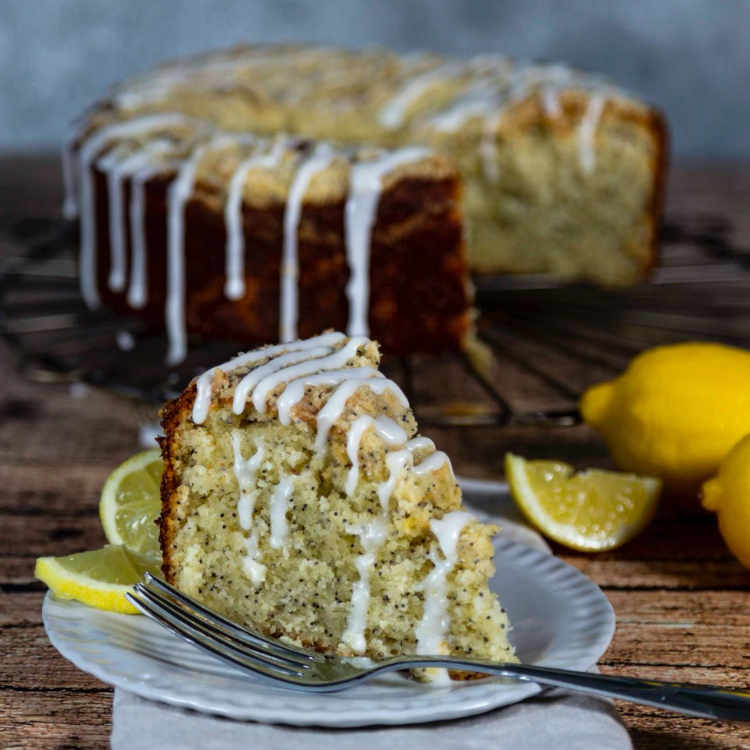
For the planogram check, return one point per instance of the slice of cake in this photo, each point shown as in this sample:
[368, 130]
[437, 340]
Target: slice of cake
[299, 499]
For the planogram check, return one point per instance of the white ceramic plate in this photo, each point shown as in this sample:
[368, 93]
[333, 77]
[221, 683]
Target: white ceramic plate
[560, 619]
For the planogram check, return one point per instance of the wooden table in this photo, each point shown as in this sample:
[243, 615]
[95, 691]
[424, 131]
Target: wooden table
[682, 601]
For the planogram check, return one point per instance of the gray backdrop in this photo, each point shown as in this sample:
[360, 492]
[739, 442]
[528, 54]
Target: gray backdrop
[691, 57]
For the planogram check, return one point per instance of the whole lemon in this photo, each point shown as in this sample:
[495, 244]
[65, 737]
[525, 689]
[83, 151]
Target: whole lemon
[728, 495]
[675, 412]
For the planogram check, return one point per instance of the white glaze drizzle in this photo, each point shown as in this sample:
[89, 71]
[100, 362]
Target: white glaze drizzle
[319, 160]
[117, 170]
[201, 72]
[490, 98]
[480, 100]
[420, 443]
[245, 471]
[295, 389]
[335, 405]
[177, 196]
[558, 76]
[517, 85]
[549, 80]
[432, 463]
[111, 164]
[140, 167]
[253, 569]
[371, 536]
[330, 362]
[392, 115]
[360, 213]
[396, 461]
[587, 133]
[277, 509]
[159, 83]
[87, 152]
[353, 439]
[488, 147]
[435, 620]
[203, 383]
[234, 287]
[137, 288]
[243, 388]
[389, 431]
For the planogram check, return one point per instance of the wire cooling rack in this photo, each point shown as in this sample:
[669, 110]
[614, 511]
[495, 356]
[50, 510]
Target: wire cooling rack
[545, 342]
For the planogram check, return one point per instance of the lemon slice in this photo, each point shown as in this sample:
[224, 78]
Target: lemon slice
[130, 504]
[589, 511]
[99, 578]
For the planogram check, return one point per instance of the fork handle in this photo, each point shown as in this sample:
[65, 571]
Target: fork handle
[697, 700]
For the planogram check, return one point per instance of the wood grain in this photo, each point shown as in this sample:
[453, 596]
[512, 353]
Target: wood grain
[682, 601]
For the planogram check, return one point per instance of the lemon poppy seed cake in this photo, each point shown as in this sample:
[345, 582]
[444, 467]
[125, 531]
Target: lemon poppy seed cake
[198, 214]
[298, 498]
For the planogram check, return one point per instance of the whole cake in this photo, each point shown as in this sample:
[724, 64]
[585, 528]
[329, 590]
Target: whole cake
[190, 213]
[298, 499]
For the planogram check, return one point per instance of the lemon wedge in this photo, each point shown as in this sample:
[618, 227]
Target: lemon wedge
[130, 503]
[99, 578]
[590, 511]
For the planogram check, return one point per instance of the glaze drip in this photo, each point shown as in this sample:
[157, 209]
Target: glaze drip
[435, 621]
[390, 432]
[235, 249]
[360, 213]
[319, 160]
[245, 471]
[336, 404]
[371, 538]
[278, 508]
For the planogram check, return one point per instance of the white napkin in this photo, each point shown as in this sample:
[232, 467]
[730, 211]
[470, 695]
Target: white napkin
[553, 719]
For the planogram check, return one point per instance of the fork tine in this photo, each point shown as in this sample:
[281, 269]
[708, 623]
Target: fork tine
[240, 633]
[187, 632]
[212, 629]
[203, 636]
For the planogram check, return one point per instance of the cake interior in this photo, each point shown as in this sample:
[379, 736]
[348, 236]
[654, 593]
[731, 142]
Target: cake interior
[263, 526]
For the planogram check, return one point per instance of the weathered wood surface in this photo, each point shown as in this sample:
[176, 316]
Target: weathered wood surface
[682, 601]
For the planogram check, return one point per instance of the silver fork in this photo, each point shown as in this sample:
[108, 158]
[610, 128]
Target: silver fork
[298, 669]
